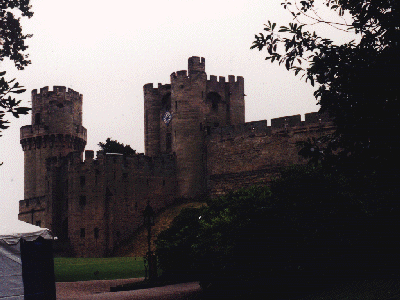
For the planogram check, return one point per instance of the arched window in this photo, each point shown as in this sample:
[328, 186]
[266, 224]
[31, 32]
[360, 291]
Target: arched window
[213, 98]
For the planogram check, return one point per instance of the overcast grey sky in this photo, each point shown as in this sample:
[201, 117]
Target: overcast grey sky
[107, 51]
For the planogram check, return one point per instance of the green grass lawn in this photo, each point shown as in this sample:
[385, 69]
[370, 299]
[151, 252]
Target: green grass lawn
[82, 269]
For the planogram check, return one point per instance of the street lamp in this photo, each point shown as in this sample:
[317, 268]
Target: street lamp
[149, 216]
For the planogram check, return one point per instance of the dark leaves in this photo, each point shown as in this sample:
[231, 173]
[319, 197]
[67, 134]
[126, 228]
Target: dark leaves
[356, 83]
[12, 46]
[113, 146]
[9, 104]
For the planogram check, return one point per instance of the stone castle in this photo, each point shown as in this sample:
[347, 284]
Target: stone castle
[197, 144]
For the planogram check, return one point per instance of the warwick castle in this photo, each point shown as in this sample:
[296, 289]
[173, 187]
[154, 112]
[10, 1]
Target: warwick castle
[197, 144]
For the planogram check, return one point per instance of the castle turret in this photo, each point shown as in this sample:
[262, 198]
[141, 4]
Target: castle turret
[56, 130]
[177, 119]
[156, 101]
[196, 65]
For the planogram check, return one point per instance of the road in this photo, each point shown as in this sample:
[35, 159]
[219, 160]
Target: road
[99, 289]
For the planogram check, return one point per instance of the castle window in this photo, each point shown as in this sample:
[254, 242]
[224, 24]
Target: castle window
[82, 233]
[96, 233]
[163, 182]
[213, 98]
[176, 105]
[82, 180]
[215, 105]
[39, 223]
[168, 142]
[82, 201]
[166, 102]
[37, 118]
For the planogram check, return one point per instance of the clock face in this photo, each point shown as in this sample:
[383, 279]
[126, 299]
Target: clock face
[167, 117]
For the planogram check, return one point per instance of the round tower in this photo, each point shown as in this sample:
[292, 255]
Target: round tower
[56, 130]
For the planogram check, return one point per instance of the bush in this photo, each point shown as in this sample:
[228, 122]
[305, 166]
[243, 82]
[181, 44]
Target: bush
[309, 228]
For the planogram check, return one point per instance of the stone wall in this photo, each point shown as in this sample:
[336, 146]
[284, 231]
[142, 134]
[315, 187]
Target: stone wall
[103, 199]
[253, 153]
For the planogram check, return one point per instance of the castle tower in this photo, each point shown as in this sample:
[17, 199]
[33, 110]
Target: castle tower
[56, 130]
[179, 115]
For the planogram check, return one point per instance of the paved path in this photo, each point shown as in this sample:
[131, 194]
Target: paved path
[99, 289]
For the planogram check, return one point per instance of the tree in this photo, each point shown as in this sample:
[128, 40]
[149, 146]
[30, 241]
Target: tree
[356, 83]
[111, 146]
[12, 46]
[309, 229]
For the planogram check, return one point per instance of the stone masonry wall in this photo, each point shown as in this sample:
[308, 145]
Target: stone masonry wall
[253, 153]
[106, 197]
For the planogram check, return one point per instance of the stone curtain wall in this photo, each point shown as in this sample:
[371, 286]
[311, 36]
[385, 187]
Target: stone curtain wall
[253, 153]
[107, 197]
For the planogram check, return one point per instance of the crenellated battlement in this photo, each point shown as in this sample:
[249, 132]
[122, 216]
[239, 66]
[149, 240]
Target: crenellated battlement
[31, 208]
[58, 92]
[138, 163]
[221, 80]
[179, 75]
[283, 125]
[159, 90]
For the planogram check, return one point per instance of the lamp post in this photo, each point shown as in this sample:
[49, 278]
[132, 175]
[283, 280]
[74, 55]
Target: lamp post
[148, 214]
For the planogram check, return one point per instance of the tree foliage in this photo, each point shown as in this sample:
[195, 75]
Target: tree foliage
[355, 82]
[12, 46]
[113, 146]
[309, 229]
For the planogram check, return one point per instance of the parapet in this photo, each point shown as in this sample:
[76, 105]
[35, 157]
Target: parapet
[179, 75]
[283, 125]
[221, 79]
[36, 203]
[161, 88]
[58, 91]
[316, 117]
[137, 163]
[284, 122]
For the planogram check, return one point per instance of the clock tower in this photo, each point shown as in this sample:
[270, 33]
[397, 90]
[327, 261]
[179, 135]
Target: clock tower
[178, 117]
